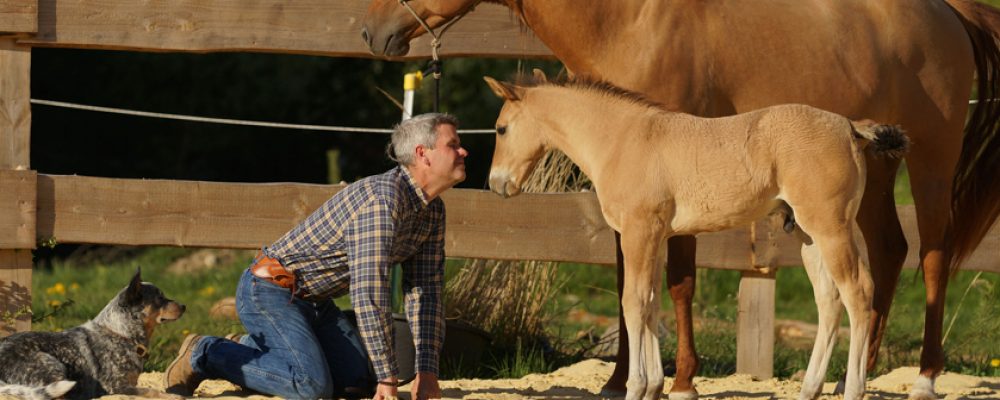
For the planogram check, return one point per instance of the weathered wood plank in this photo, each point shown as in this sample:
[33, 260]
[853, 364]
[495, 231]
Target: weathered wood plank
[15, 291]
[18, 16]
[15, 105]
[320, 27]
[17, 205]
[755, 325]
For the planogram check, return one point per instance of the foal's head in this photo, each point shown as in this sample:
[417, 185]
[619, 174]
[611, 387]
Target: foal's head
[519, 145]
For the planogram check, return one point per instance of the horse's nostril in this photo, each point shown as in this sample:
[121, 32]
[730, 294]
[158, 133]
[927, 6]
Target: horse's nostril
[364, 36]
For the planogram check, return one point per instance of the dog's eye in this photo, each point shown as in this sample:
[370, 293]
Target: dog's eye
[501, 130]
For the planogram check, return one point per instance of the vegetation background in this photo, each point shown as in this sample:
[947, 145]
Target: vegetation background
[72, 282]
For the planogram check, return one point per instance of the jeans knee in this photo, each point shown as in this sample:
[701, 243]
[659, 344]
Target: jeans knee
[311, 388]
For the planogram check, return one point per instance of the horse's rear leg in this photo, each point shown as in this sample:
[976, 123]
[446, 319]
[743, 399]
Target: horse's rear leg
[828, 308]
[931, 169]
[886, 244]
[643, 255]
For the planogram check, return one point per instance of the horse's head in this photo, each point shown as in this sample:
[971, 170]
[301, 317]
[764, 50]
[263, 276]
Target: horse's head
[388, 26]
[519, 144]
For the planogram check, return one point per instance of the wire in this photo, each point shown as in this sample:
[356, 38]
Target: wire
[228, 121]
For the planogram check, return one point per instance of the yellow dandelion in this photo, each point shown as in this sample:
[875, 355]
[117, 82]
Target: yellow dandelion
[207, 291]
[995, 362]
[58, 288]
[185, 332]
[74, 286]
[54, 303]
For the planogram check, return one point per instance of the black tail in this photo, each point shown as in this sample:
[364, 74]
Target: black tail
[886, 140]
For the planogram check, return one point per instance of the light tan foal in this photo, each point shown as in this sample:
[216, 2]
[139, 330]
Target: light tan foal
[658, 174]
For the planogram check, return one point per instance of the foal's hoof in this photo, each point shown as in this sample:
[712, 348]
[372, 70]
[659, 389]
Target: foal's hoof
[688, 395]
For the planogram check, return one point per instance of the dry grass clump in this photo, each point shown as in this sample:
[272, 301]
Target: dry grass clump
[509, 298]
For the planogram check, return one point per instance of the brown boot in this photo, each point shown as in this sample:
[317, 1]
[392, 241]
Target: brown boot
[180, 378]
[235, 337]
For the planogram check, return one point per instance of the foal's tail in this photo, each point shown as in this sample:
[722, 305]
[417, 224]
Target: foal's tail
[886, 140]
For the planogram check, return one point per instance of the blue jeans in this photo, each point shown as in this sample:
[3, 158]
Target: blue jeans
[295, 348]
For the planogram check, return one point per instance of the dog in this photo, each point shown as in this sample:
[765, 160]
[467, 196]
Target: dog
[103, 356]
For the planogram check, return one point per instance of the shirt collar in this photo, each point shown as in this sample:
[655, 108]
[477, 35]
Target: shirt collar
[417, 191]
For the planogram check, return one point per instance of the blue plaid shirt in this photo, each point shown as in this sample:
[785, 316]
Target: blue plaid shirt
[350, 244]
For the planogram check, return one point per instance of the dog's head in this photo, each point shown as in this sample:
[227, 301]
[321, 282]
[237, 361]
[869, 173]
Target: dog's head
[144, 303]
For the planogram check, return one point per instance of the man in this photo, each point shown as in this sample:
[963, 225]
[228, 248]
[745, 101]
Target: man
[299, 345]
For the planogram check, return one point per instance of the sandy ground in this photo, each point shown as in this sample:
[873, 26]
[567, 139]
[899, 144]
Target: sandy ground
[583, 381]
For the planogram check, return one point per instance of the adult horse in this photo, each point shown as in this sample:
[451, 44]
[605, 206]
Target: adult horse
[904, 62]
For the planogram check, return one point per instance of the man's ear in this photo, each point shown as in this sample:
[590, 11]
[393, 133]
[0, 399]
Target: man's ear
[421, 154]
[504, 90]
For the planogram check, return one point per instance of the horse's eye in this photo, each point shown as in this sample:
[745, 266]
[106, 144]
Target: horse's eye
[501, 130]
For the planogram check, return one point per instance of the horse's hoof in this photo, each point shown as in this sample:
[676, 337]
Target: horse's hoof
[611, 393]
[923, 389]
[688, 395]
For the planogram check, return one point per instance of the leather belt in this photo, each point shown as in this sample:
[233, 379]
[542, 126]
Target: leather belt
[271, 270]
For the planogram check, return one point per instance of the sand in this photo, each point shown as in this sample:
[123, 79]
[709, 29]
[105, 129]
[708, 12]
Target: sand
[584, 379]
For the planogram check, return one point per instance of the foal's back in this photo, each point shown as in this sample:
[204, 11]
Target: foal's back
[724, 172]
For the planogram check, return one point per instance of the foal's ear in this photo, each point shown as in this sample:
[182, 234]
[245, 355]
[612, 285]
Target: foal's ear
[539, 75]
[504, 90]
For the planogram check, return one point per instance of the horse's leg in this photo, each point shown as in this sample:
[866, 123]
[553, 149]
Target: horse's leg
[886, 244]
[842, 260]
[681, 283]
[828, 308]
[615, 386]
[643, 252]
[931, 167]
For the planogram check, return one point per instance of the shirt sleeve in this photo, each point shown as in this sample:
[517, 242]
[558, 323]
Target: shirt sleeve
[422, 285]
[369, 242]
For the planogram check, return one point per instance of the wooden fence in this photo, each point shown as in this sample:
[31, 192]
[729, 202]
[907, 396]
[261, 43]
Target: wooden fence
[75, 209]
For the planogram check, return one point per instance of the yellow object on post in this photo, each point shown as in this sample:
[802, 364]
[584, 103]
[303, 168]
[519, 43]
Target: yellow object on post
[411, 82]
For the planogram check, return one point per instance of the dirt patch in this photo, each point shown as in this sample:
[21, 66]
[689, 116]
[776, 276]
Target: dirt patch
[583, 381]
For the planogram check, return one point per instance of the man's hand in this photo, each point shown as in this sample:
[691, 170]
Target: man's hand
[387, 390]
[425, 387]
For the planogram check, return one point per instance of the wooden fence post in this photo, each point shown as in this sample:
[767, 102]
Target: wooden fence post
[15, 137]
[755, 315]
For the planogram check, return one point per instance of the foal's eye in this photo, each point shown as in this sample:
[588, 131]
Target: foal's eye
[501, 130]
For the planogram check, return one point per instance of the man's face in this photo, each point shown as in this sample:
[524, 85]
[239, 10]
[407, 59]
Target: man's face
[447, 158]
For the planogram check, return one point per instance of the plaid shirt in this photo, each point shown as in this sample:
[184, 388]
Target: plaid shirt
[352, 241]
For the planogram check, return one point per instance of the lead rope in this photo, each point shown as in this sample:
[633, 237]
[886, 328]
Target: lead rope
[434, 68]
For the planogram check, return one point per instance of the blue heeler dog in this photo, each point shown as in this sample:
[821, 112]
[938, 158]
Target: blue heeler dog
[103, 356]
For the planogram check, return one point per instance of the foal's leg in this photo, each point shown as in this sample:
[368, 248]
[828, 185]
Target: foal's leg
[828, 308]
[854, 282]
[641, 246]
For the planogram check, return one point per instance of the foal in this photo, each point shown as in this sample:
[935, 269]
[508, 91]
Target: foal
[677, 174]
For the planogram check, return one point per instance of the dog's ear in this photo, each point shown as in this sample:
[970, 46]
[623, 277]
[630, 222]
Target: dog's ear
[133, 293]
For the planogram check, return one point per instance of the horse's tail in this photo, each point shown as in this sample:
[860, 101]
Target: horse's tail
[53, 390]
[975, 202]
[885, 140]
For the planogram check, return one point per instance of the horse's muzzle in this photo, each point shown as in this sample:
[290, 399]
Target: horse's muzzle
[500, 183]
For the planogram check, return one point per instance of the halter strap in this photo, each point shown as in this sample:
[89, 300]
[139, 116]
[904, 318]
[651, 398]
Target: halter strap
[436, 41]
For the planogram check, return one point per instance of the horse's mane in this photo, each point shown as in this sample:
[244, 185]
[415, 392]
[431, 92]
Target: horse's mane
[593, 85]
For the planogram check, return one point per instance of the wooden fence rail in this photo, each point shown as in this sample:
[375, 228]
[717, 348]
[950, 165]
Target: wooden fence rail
[74, 209]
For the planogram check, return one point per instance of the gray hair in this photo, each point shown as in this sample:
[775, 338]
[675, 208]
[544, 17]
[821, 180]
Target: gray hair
[421, 129]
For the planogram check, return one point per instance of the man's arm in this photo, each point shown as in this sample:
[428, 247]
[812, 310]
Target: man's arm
[369, 238]
[423, 287]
